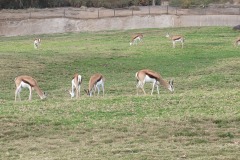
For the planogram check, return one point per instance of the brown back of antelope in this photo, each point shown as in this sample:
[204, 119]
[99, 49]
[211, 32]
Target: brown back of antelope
[27, 81]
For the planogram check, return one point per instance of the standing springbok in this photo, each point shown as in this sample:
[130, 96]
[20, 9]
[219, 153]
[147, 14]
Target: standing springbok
[36, 43]
[30, 83]
[176, 38]
[95, 82]
[76, 85]
[237, 42]
[149, 76]
[136, 38]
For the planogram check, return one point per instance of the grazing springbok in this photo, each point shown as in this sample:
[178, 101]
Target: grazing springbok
[136, 38]
[176, 38]
[149, 76]
[237, 42]
[30, 83]
[36, 43]
[95, 82]
[76, 85]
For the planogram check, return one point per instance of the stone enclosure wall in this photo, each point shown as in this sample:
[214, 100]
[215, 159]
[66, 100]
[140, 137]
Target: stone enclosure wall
[61, 25]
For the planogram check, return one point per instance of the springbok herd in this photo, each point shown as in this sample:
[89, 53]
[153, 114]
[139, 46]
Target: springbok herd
[96, 81]
[174, 38]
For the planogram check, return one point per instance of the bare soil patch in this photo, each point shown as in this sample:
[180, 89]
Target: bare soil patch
[88, 13]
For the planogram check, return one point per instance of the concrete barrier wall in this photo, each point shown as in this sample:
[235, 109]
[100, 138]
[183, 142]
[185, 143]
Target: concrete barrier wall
[209, 20]
[61, 25]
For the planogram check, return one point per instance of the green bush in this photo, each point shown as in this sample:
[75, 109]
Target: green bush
[194, 3]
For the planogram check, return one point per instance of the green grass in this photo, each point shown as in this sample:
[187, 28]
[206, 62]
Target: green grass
[200, 120]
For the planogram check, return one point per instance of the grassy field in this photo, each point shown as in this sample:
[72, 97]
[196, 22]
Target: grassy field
[200, 120]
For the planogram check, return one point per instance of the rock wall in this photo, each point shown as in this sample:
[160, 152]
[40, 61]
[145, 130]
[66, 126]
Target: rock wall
[61, 25]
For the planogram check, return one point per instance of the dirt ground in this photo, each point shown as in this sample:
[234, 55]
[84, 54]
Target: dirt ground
[91, 13]
[69, 12]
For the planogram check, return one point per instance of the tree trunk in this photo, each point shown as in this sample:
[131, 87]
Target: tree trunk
[153, 2]
[20, 4]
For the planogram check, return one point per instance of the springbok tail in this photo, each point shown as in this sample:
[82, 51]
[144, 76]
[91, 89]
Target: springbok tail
[137, 78]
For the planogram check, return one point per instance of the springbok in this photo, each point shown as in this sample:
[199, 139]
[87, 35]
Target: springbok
[30, 83]
[136, 38]
[149, 76]
[176, 38]
[237, 42]
[95, 82]
[36, 43]
[76, 85]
